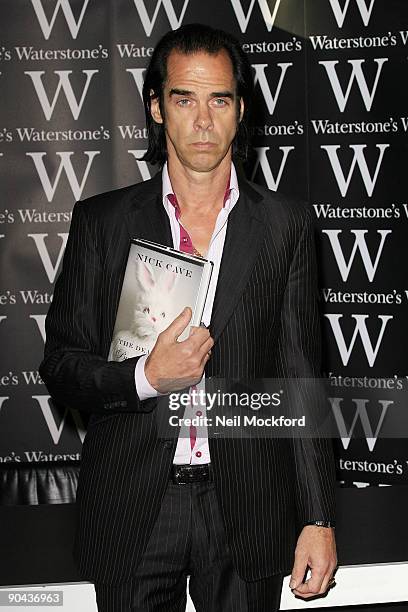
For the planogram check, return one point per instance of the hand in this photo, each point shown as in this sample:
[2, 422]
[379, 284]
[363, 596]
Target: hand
[174, 365]
[316, 549]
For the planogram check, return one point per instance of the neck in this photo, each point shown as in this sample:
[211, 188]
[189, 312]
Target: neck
[200, 191]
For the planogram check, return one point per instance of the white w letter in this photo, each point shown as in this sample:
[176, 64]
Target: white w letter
[69, 17]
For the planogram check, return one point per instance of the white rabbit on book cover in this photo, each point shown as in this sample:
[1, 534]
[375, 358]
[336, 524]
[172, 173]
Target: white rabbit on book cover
[152, 312]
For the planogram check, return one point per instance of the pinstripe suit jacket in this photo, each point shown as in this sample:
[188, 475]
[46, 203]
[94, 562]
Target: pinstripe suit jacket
[265, 324]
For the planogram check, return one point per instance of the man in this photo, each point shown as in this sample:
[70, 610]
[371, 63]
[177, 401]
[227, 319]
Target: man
[226, 512]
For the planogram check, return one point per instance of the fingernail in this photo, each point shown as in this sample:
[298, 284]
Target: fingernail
[292, 584]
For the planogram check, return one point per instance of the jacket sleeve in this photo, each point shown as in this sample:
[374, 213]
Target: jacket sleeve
[74, 371]
[300, 341]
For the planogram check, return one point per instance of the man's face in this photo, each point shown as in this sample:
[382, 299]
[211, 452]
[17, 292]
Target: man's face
[200, 109]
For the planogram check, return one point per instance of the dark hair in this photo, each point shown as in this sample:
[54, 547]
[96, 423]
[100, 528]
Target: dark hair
[193, 38]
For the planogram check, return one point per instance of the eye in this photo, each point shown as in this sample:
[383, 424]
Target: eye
[146, 310]
[219, 102]
[183, 102]
[163, 314]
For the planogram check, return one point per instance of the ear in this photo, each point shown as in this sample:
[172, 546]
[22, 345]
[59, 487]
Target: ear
[241, 109]
[168, 280]
[145, 276]
[155, 108]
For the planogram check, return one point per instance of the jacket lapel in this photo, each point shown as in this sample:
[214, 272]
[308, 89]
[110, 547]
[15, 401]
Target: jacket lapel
[147, 218]
[244, 238]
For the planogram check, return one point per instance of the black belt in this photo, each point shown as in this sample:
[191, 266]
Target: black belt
[184, 474]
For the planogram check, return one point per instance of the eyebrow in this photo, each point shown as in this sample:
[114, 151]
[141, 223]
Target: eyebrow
[214, 94]
[179, 92]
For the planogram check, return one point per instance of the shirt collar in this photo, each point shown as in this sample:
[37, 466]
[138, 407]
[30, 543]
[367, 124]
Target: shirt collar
[231, 193]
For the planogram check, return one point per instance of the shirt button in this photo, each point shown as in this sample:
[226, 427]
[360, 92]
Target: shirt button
[185, 240]
[199, 413]
[198, 454]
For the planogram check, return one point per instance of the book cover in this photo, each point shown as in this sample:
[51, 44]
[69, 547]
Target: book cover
[159, 283]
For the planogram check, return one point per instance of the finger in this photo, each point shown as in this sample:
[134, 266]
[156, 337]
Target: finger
[195, 327]
[206, 349]
[196, 340]
[326, 581]
[176, 328]
[304, 596]
[198, 332]
[312, 586]
[298, 572]
[206, 356]
[329, 576]
[205, 359]
[206, 346]
[316, 581]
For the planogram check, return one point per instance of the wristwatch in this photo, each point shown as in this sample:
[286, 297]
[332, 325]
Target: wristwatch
[321, 523]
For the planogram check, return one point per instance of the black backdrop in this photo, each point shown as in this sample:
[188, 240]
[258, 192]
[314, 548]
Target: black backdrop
[329, 126]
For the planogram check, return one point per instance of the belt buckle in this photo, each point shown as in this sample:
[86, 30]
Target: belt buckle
[185, 474]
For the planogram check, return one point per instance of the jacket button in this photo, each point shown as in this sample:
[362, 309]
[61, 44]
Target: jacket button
[168, 444]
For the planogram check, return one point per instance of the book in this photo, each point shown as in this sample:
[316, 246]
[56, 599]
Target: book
[159, 283]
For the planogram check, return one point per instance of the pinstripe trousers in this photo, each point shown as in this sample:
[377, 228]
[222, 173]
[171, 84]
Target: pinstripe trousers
[189, 540]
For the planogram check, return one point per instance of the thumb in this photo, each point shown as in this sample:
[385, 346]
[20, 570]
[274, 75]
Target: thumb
[176, 328]
[298, 572]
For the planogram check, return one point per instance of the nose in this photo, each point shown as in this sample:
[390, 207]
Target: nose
[154, 319]
[203, 120]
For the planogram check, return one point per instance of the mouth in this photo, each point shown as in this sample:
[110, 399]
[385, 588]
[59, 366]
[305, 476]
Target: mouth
[203, 145]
